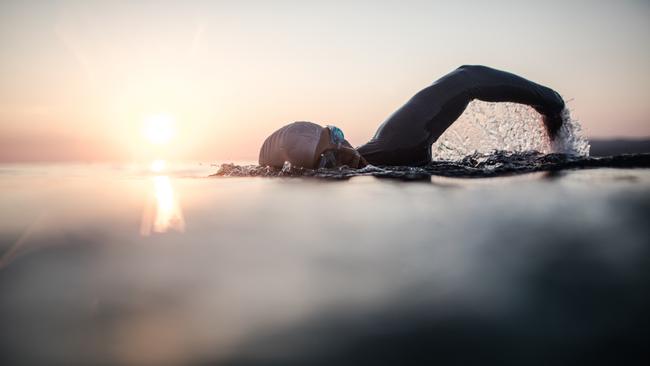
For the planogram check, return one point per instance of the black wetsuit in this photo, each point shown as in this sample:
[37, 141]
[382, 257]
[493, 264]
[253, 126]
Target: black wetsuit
[405, 138]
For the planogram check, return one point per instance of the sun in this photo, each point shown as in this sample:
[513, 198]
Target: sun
[158, 129]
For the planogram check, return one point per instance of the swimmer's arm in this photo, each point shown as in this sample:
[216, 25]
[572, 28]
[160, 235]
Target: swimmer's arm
[493, 85]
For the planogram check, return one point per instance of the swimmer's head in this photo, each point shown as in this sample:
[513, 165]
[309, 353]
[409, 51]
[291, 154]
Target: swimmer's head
[308, 145]
[296, 143]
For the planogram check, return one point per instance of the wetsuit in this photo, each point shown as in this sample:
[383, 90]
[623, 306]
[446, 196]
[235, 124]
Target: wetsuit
[405, 138]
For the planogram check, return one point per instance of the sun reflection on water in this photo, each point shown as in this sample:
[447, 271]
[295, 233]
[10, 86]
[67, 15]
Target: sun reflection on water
[163, 211]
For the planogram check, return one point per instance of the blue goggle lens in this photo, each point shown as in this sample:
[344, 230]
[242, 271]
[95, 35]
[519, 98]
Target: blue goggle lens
[336, 135]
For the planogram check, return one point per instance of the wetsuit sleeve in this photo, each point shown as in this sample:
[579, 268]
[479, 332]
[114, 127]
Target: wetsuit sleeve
[405, 138]
[493, 85]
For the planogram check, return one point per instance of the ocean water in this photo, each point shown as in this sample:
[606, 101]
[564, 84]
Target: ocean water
[119, 265]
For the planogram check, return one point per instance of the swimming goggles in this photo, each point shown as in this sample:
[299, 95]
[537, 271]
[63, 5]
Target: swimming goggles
[328, 157]
[336, 136]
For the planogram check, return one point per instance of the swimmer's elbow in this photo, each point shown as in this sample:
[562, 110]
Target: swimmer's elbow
[473, 68]
[471, 74]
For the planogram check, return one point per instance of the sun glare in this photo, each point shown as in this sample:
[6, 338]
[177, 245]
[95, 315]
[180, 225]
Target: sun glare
[158, 129]
[157, 166]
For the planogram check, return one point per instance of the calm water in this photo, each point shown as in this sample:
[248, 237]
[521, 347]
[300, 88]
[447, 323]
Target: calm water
[113, 265]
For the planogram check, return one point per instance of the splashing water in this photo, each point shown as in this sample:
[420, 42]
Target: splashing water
[570, 139]
[488, 127]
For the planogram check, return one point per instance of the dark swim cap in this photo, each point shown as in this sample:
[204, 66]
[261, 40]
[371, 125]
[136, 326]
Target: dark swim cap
[295, 143]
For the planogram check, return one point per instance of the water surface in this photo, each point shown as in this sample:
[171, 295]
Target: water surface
[114, 265]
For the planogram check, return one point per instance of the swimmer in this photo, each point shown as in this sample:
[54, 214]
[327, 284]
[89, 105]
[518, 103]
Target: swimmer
[405, 138]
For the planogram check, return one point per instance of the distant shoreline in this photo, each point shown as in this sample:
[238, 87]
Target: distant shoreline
[608, 147]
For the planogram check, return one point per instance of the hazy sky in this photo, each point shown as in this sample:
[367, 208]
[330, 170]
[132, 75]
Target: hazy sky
[79, 78]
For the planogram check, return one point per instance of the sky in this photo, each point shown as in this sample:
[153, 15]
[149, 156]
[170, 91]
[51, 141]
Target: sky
[83, 80]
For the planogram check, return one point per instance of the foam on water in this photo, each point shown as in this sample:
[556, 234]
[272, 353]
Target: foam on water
[488, 127]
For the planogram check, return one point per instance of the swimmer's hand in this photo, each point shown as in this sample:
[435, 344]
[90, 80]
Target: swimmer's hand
[552, 122]
[552, 114]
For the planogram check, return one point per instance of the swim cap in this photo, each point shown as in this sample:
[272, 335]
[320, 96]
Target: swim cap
[295, 143]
